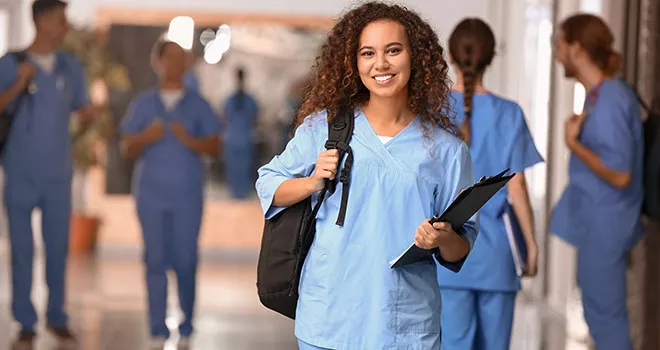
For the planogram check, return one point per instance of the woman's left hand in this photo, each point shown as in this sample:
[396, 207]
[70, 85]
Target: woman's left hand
[180, 132]
[433, 236]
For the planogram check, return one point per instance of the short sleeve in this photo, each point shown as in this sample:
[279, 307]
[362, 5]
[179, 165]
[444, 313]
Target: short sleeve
[80, 90]
[611, 135]
[297, 160]
[8, 73]
[523, 151]
[208, 124]
[135, 119]
[459, 175]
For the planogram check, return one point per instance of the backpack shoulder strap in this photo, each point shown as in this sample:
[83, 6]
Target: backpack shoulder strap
[340, 131]
[20, 56]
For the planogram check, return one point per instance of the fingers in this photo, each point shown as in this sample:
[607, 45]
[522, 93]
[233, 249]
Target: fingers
[325, 174]
[422, 238]
[441, 226]
[326, 164]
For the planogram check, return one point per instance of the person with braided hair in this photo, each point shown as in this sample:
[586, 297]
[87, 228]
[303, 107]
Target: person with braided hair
[478, 302]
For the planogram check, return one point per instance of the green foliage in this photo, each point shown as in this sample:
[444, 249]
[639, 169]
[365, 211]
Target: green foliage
[89, 141]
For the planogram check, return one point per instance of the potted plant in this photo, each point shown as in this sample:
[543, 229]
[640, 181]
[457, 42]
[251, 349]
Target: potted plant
[89, 140]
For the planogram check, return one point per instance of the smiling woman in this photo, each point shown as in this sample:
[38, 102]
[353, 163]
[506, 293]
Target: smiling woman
[367, 46]
[386, 65]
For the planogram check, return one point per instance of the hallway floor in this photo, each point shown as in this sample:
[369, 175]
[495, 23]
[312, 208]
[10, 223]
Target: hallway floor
[107, 308]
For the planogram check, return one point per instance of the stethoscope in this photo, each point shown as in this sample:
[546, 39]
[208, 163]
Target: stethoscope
[32, 90]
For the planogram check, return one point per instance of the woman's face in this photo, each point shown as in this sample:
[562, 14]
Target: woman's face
[384, 61]
[172, 63]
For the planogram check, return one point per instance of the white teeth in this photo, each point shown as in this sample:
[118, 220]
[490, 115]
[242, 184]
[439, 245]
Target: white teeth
[383, 78]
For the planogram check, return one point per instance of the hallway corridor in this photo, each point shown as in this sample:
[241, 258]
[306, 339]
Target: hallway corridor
[107, 308]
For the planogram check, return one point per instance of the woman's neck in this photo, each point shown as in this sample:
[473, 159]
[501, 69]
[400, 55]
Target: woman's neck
[478, 85]
[388, 110]
[170, 85]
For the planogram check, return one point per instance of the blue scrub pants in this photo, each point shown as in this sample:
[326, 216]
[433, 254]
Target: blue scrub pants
[239, 160]
[21, 197]
[602, 280]
[476, 320]
[170, 241]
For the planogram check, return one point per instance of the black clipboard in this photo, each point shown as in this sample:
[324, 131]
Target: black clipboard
[465, 206]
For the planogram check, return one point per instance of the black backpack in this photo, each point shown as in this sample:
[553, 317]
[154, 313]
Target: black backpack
[651, 175]
[288, 236]
[6, 117]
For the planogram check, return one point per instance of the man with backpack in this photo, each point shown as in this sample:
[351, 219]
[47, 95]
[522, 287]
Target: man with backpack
[39, 89]
[600, 210]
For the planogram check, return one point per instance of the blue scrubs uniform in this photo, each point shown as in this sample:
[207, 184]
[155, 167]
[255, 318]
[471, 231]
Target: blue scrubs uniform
[239, 152]
[38, 170]
[601, 221]
[478, 302]
[190, 80]
[350, 298]
[169, 192]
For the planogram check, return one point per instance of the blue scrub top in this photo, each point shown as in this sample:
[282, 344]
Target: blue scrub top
[500, 139]
[39, 146]
[591, 211]
[190, 80]
[350, 298]
[240, 112]
[169, 173]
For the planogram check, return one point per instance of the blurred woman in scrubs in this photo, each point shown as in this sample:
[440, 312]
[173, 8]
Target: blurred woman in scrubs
[599, 212]
[168, 129]
[240, 115]
[386, 65]
[478, 302]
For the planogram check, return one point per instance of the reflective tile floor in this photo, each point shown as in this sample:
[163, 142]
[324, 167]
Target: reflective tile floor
[107, 309]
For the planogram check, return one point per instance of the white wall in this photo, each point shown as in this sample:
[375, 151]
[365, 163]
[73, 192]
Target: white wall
[442, 16]
[439, 13]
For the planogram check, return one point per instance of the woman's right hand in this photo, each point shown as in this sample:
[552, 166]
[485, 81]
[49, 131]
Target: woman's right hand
[155, 131]
[326, 168]
[532, 261]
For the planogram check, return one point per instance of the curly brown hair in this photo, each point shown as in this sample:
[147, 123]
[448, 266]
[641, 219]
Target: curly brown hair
[336, 82]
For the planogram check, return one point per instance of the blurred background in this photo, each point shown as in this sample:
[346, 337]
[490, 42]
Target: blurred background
[276, 42]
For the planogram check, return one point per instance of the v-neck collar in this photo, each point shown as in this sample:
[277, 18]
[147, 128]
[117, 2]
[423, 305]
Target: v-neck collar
[161, 104]
[58, 66]
[371, 133]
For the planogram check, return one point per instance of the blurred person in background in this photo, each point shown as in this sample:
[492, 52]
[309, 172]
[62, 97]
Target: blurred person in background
[41, 93]
[386, 65]
[168, 129]
[599, 212]
[479, 301]
[239, 151]
[287, 117]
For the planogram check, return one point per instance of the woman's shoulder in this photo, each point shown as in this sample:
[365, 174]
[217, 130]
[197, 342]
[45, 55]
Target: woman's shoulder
[145, 96]
[196, 96]
[505, 106]
[315, 123]
[446, 144]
